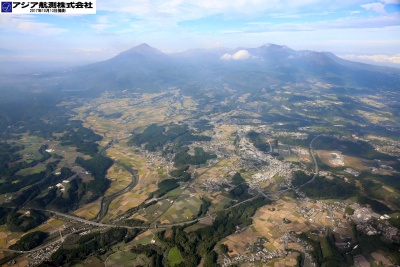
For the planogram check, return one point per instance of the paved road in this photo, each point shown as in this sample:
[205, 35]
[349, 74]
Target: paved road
[316, 169]
[93, 223]
[78, 219]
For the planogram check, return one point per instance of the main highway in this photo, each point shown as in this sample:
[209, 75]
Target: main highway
[106, 225]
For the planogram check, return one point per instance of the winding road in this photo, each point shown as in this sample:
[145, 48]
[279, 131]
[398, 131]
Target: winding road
[316, 168]
[107, 200]
[316, 172]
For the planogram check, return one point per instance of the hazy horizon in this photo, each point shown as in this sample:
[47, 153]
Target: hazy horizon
[358, 30]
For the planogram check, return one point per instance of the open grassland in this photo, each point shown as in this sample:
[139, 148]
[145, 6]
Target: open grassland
[38, 168]
[331, 158]
[125, 258]
[326, 250]
[144, 238]
[356, 163]
[291, 158]
[174, 256]
[334, 158]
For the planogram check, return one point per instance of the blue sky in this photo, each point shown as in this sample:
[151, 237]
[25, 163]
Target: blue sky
[354, 29]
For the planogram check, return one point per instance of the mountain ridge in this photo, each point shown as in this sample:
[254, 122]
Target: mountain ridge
[144, 67]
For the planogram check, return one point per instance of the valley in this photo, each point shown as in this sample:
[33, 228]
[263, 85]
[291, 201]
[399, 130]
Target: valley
[288, 172]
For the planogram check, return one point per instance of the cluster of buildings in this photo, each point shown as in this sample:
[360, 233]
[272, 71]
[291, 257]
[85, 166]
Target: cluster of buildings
[43, 254]
[61, 185]
[363, 214]
[214, 185]
[352, 172]
[261, 256]
[274, 167]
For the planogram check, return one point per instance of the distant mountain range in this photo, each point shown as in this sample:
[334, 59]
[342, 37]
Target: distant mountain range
[144, 68]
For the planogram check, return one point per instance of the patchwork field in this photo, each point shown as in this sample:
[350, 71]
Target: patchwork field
[68, 154]
[216, 172]
[8, 238]
[119, 177]
[149, 175]
[133, 114]
[184, 208]
[88, 211]
[268, 222]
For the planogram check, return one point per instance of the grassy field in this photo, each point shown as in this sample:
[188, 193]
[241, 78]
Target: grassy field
[145, 238]
[33, 170]
[326, 251]
[355, 163]
[122, 258]
[291, 158]
[174, 256]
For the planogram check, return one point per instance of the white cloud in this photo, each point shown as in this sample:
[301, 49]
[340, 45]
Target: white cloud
[341, 23]
[102, 23]
[394, 59]
[239, 55]
[89, 50]
[27, 24]
[181, 10]
[391, 2]
[226, 57]
[377, 7]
